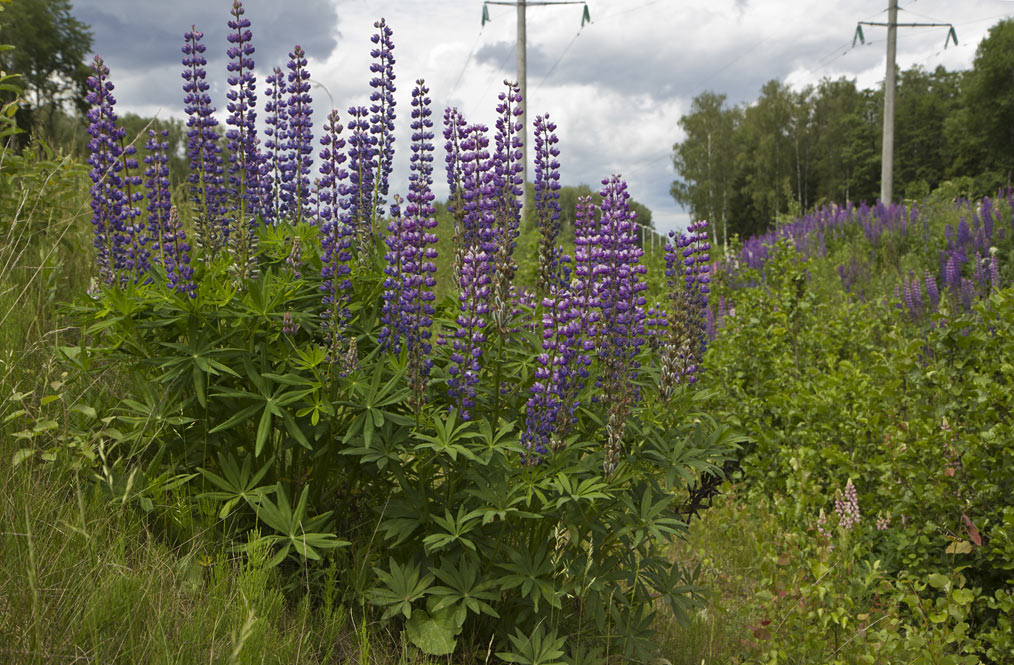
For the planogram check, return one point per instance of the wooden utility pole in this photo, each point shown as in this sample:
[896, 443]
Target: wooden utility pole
[523, 70]
[890, 88]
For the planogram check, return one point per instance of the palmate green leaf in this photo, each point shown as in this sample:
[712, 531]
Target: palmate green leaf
[454, 528]
[293, 525]
[534, 573]
[237, 483]
[370, 397]
[446, 439]
[539, 648]
[587, 490]
[400, 586]
[463, 587]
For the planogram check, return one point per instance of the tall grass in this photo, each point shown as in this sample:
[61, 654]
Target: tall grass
[83, 577]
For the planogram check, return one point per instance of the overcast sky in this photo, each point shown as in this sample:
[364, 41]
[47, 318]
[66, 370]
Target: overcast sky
[616, 88]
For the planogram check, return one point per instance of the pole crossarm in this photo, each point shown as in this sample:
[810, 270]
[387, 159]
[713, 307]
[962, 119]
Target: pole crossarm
[522, 5]
[890, 83]
[883, 25]
[541, 2]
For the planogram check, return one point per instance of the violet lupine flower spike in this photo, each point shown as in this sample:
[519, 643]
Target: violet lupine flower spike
[470, 334]
[547, 200]
[620, 304]
[479, 223]
[108, 197]
[207, 190]
[408, 311]
[336, 235]
[559, 376]
[506, 186]
[176, 254]
[362, 164]
[300, 145]
[454, 131]
[583, 287]
[276, 134]
[686, 333]
[156, 184]
[244, 157]
[382, 117]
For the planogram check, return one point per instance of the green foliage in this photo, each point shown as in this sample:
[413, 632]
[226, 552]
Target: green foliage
[833, 389]
[445, 527]
[50, 50]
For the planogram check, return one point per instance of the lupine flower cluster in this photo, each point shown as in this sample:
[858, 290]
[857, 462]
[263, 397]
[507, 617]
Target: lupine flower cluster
[382, 113]
[156, 185]
[547, 199]
[207, 191]
[685, 336]
[506, 186]
[114, 190]
[276, 157]
[244, 157]
[593, 324]
[620, 302]
[846, 506]
[296, 185]
[336, 233]
[407, 311]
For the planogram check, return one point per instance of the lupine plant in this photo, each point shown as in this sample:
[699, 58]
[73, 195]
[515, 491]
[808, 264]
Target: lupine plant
[515, 485]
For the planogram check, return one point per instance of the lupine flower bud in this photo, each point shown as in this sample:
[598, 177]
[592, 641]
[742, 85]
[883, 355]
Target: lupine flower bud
[289, 325]
[295, 257]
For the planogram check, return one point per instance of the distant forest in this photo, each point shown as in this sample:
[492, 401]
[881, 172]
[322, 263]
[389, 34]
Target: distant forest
[791, 150]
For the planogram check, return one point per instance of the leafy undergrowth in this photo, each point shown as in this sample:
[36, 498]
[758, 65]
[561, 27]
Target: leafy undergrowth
[872, 517]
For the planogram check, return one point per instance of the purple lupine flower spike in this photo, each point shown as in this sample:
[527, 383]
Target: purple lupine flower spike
[547, 200]
[506, 190]
[336, 234]
[276, 133]
[559, 376]
[932, 292]
[408, 309]
[114, 190]
[620, 303]
[454, 134]
[468, 338]
[176, 254]
[686, 335]
[362, 164]
[156, 185]
[382, 117]
[244, 156]
[300, 144]
[207, 191]
[106, 191]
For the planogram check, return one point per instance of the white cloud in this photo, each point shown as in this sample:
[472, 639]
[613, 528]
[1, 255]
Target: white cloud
[616, 91]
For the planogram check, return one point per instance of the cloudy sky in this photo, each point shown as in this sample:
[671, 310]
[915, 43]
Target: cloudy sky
[616, 88]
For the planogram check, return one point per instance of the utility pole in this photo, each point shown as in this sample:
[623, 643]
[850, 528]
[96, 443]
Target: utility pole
[523, 70]
[890, 87]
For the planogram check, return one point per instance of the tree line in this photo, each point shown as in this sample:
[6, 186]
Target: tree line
[741, 166]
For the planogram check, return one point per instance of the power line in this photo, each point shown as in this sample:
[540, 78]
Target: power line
[558, 59]
[475, 45]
